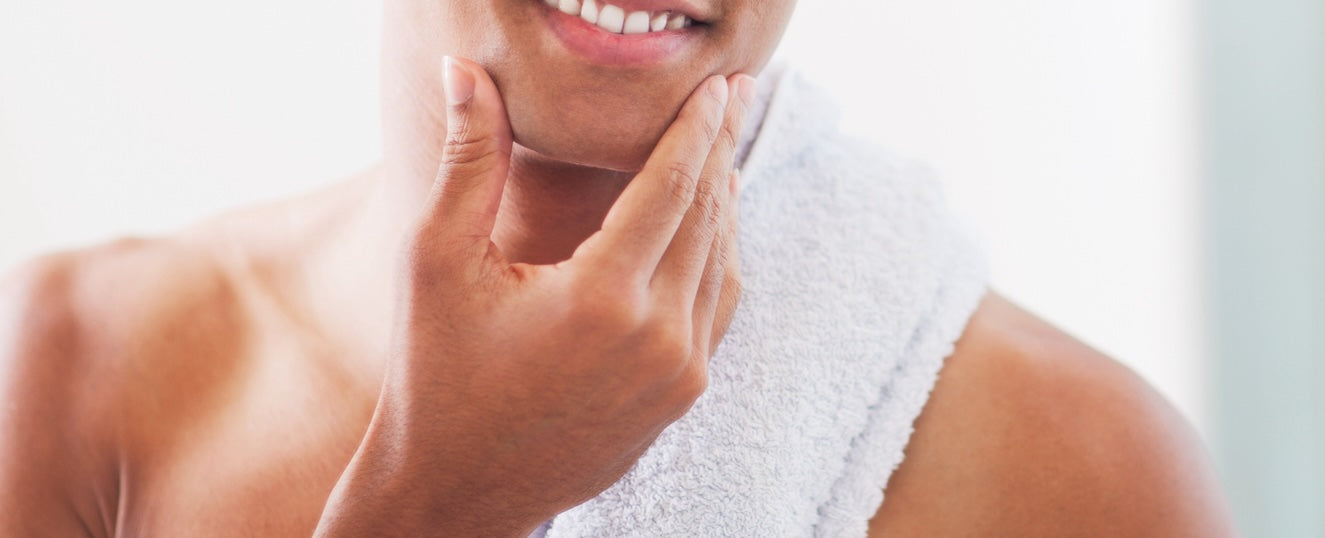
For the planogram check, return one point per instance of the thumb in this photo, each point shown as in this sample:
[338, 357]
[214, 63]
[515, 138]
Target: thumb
[477, 155]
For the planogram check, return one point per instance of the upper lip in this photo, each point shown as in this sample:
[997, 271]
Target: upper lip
[689, 8]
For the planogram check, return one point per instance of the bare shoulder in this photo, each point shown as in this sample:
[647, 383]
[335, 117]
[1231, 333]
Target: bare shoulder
[80, 340]
[1030, 432]
[113, 304]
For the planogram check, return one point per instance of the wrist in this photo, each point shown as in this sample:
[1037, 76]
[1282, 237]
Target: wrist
[391, 487]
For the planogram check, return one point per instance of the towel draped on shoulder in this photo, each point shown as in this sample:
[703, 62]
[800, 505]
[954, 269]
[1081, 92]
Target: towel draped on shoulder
[857, 284]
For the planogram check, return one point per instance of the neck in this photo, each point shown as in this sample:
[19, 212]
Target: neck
[548, 207]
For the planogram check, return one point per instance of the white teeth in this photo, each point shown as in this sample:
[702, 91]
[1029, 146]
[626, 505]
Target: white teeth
[677, 22]
[611, 18]
[615, 19]
[659, 21]
[590, 12]
[636, 23]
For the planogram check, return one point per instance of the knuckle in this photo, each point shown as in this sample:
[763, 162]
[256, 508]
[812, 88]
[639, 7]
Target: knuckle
[670, 342]
[732, 281]
[729, 135]
[707, 197]
[713, 275]
[609, 307]
[731, 250]
[722, 259]
[466, 145]
[732, 288]
[731, 278]
[463, 150]
[711, 126]
[459, 133]
[682, 181]
[692, 384]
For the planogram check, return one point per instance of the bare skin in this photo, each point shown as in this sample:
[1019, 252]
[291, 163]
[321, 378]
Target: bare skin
[192, 436]
[506, 392]
[470, 348]
[1029, 433]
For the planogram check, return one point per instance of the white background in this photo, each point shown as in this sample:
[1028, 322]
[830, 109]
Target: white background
[1065, 131]
[1067, 135]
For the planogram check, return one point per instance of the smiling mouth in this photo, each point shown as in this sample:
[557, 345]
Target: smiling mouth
[616, 20]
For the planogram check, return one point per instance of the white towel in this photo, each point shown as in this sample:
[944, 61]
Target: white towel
[857, 284]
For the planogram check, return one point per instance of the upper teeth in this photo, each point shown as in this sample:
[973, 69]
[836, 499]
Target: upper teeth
[617, 20]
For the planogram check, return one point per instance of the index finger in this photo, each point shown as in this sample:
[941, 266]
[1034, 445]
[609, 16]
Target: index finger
[645, 217]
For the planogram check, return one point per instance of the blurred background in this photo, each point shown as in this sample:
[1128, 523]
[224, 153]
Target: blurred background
[1148, 175]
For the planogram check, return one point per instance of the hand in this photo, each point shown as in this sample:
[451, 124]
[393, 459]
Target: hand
[518, 391]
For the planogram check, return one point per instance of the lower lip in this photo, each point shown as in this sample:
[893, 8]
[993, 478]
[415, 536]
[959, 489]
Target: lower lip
[605, 48]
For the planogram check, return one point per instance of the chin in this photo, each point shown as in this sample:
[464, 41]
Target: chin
[620, 154]
[600, 130]
[594, 140]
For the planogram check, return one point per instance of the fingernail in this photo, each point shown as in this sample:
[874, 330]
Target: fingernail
[746, 88]
[457, 82]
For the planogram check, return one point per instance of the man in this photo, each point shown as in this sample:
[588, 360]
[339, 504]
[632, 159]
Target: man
[425, 349]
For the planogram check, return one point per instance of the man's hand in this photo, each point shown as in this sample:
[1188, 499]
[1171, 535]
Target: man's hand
[518, 391]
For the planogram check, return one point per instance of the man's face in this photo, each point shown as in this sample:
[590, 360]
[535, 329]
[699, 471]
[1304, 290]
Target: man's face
[579, 93]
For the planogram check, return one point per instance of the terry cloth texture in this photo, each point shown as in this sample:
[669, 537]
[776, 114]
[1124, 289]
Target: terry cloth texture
[857, 283]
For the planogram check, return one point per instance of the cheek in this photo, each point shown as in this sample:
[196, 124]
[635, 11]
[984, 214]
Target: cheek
[760, 30]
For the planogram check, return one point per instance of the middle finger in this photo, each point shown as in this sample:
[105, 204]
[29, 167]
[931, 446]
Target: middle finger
[681, 269]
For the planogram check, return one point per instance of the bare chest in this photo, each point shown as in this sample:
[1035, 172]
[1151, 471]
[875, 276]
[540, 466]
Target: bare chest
[253, 448]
